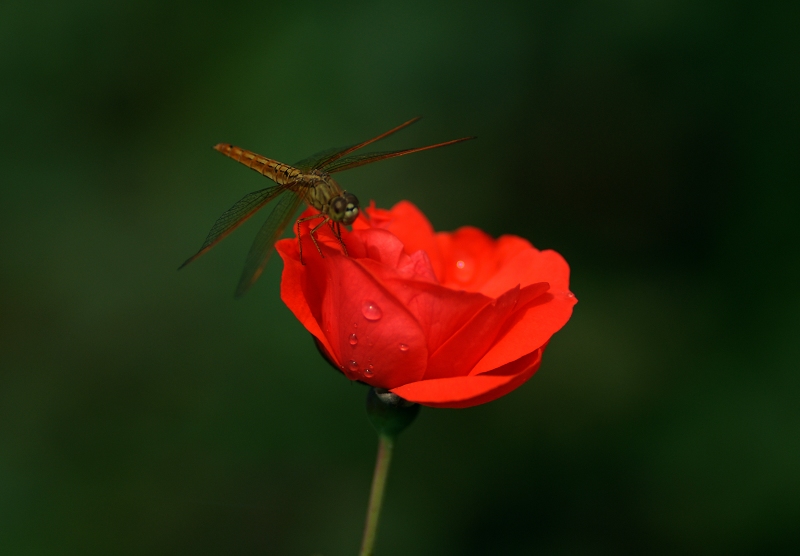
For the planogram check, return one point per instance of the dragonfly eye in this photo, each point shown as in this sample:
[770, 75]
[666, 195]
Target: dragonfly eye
[344, 208]
[338, 207]
[351, 208]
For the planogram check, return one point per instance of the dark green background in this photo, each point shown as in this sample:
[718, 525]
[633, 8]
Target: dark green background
[653, 144]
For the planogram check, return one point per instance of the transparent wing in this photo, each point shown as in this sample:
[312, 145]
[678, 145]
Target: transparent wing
[235, 216]
[316, 159]
[368, 158]
[264, 244]
[339, 153]
[323, 158]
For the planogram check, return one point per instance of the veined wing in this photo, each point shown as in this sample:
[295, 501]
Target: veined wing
[235, 216]
[323, 158]
[341, 164]
[313, 161]
[264, 244]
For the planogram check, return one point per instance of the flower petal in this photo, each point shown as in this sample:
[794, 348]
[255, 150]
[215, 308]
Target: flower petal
[364, 324]
[467, 257]
[408, 223]
[459, 354]
[390, 259]
[440, 311]
[467, 391]
[294, 294]
[531, 326]
[525, 266]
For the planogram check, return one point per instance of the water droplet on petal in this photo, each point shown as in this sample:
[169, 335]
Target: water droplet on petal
[355, 325]
[570, 295]
[369, 372]
[352, 365]
[371, 311]
[403, 347]
[353, 339]
[465, 269]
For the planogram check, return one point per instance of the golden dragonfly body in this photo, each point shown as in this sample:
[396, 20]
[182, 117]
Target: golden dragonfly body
[316, 187]
[308, 180]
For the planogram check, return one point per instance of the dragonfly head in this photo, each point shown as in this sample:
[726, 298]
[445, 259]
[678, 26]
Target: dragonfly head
[344, 208]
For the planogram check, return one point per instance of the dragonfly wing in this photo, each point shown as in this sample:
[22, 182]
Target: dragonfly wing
[324, 158]
[317, 159]
[232, 218]
[356, 160]
[327, 156]
[264, 244]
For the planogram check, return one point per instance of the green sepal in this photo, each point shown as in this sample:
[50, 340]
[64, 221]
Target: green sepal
[389, 413]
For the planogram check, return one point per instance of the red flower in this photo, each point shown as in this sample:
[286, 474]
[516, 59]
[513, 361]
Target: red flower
[441, 319]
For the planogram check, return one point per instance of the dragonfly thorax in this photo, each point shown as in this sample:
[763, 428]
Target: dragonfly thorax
[325, 195]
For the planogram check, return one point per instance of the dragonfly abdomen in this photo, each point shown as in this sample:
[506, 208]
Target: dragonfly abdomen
[278, 172]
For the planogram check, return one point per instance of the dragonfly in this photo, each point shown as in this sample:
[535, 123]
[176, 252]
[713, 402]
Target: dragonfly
[308, 180]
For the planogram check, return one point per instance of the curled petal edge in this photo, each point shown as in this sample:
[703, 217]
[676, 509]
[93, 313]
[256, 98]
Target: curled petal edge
[468, 391]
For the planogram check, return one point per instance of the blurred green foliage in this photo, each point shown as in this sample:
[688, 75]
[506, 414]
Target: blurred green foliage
[653, 144]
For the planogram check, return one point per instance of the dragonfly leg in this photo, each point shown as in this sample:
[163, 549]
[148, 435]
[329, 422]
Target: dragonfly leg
[311, 233]
[336, 228]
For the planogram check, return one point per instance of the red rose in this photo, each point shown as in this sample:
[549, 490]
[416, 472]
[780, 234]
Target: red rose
[440, 319]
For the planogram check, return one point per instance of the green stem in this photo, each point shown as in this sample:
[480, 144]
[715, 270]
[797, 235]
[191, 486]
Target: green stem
[385, 445]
